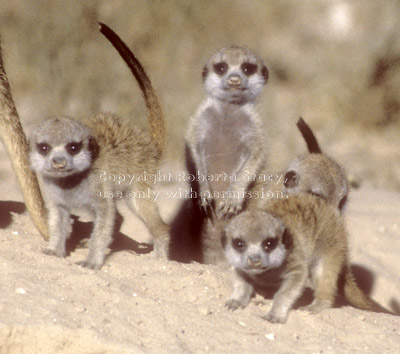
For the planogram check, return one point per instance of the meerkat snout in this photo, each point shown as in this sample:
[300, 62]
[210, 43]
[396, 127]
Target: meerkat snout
[234, 80]
[59, 162]
[254, 260]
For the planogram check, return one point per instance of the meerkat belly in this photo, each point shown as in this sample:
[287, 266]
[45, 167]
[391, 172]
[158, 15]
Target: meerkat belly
[226, 146]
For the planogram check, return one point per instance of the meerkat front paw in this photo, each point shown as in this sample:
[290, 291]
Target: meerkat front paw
[233, 304]
[274, 317]
[207, 204]
[229, 207]
[91, 263]
[54, 252]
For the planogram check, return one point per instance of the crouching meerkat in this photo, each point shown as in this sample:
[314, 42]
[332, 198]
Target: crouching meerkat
[296, 242]
[316, 172]
[14, 140]
[69, 157]
[225, 139]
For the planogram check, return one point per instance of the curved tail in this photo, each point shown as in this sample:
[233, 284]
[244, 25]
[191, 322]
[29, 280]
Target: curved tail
[154, 110]
[309, 137]
[357, 298]
[14, 140]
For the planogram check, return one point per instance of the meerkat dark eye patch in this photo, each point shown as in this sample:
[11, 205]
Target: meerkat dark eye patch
[269, 244]
[238, 244]
[73, 148]
[220, 68]
[291, 179]
[249, 68]
[43, 148]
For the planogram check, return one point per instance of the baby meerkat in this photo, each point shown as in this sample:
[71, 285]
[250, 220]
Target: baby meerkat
[14, 140]
[316, 173]
[225, 136]
[69, 158]
[295, 242]
[225, 141]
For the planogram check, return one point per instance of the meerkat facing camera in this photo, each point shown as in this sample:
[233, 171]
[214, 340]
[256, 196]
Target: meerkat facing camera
[14, 139]
[69, 156]
[316, 173]
[295, 242]
[225, 139]
[225, 136]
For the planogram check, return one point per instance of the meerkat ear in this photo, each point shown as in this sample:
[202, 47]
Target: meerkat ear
[265, 74]
[93, 147]
[342, 202]
[204, 72]
[223, 239]
[291, 179]
[287, 238]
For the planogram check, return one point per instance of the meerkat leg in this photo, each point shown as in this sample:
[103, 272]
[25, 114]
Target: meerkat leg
[59, 221]
[242, 293]
[290, 290]
[147, 210]
[324, 277]
[101, 235]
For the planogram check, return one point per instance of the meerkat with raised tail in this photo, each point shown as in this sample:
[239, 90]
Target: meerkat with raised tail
[15, 141]
[295, 242]
[316, 173]
[225, 137]
[69, 157]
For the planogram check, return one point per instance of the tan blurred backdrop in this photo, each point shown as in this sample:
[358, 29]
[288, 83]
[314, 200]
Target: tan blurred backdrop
[336, 63]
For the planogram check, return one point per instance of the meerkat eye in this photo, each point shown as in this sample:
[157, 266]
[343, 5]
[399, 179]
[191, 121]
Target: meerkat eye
[238, 244]
[73, 148]
[43, 148]
[249, 68]
[220, 68]
[270, 244]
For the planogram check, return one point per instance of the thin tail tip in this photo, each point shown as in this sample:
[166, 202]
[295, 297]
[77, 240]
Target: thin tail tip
[300, 122]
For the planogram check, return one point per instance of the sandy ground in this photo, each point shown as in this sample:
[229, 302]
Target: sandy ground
[137, 304]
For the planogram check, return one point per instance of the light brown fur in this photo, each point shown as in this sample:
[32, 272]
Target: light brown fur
[309, 249]
[77, 161]
[14, 140]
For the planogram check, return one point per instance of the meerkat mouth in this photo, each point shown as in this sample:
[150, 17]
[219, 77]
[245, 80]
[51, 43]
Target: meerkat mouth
[232, 88]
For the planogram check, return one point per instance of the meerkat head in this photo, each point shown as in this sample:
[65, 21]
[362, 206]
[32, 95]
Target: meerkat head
[61, 147]
[255, 241]
[319, 175]
[235, 75]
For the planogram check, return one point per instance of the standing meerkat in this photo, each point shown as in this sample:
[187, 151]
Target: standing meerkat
[71, 159]
[316, 173]
[225, 140]
[14, 140]
[225, 136]
[295, 242]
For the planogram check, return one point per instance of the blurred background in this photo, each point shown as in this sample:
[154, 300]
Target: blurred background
[336, 63]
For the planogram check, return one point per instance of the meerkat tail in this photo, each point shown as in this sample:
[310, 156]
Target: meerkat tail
[14, 140]
[309, 137]
[357, 298]
[154, 110]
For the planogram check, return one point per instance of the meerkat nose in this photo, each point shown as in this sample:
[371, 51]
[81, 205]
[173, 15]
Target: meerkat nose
[254, 260]
[234, 80]
[59, 162]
